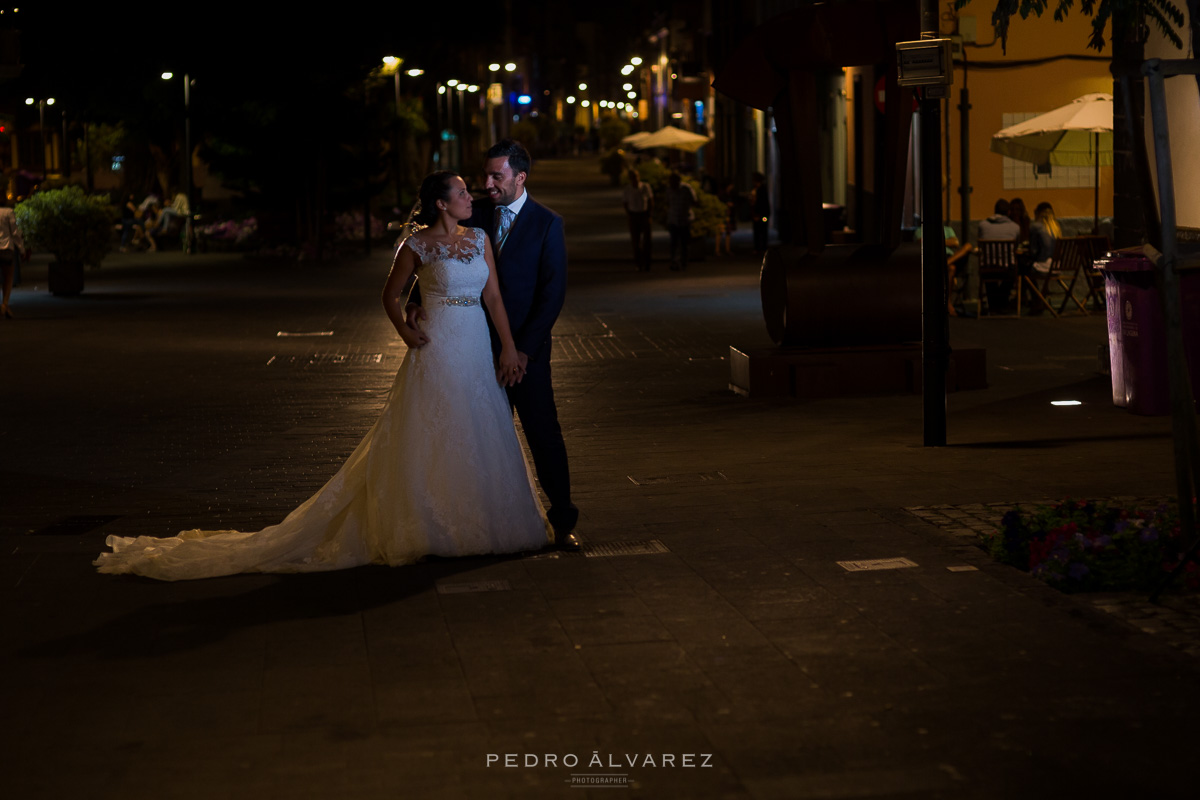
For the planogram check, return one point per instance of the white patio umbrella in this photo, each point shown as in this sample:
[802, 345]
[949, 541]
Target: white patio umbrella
[675, 138]
[1078, 134]
[633, 138]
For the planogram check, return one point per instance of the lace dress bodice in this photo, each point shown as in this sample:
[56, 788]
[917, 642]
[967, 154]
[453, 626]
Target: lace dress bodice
[451, 270]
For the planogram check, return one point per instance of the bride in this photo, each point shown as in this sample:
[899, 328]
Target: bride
[440, 473]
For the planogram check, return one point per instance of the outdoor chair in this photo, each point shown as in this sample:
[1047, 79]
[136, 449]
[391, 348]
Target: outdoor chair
[1091, 248]
[1071, 255]
[997, 274]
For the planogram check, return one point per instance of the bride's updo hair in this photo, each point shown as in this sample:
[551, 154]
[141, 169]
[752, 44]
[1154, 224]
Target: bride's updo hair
[436, 186]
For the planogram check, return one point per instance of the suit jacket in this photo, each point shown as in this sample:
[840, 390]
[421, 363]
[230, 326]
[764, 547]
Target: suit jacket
[532, 269]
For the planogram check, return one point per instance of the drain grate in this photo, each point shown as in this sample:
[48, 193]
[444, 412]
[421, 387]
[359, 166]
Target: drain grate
[642, 547]
[876, 563]
[647, 480]
[76, 525]
[352, 359]
[473, 586]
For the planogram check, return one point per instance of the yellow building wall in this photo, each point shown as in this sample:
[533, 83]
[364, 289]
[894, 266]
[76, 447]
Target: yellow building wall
[1037, 89]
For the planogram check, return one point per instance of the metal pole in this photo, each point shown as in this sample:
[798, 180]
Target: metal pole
[66, 152]
[1183, 414]
[42, 127]
[366, 167]
[964, 155]
[935, 324]
[189, 242]
[1096, 186]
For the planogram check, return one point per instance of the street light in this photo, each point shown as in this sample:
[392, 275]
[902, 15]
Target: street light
[41, 104]
[187, 159]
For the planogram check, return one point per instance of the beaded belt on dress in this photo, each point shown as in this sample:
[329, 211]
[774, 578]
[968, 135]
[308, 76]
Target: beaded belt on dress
[459, 300]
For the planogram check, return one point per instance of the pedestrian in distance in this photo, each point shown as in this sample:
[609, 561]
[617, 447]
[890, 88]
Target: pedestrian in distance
[681, 199]
[12, 246]
[638, 199]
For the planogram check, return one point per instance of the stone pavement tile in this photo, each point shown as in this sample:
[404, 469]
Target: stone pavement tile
[576, 577]
[799, 604]
[348, 707]
[306, 677]
[615, 628]
[762, 753]
[418, 660]
[493, 669]
[574, 699]
[200, 710]
[421, 702]
[705, 630]
[694, 599]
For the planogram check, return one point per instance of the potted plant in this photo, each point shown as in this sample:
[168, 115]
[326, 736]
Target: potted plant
[74, 227]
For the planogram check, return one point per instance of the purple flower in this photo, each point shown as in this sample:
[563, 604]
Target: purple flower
[1149, 534]
[1076, 571]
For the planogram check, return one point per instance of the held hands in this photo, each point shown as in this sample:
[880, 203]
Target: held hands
[511, 368]
[412, 334]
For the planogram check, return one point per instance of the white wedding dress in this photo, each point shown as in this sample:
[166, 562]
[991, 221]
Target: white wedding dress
[441, 472]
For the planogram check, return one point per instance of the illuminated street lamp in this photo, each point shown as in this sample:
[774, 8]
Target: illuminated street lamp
[41, 104]
[187, 158]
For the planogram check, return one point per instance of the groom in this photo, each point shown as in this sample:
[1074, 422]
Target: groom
[531, 263]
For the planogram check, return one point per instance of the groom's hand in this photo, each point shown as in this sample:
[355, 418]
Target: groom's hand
[413, 316]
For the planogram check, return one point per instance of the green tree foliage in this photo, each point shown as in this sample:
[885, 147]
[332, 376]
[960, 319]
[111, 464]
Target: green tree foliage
[1126, 16]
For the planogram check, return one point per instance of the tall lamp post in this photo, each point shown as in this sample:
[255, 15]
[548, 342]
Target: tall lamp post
[41, 104]
[392, 64]
[188, 246]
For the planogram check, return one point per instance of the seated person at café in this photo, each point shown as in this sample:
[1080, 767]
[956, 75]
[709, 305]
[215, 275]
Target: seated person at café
[954, 254]
[1044, 231]
[1018, 214]
[999, 225]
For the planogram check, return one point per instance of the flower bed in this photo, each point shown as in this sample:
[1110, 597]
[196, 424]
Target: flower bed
[1094, 545]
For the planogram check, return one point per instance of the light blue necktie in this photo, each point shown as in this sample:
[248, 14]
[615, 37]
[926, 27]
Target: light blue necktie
[504, 218]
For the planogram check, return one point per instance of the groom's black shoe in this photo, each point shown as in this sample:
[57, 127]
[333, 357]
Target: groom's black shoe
[565, 540]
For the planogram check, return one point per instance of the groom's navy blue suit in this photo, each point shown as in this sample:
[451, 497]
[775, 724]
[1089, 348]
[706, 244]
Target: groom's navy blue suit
[532, 269]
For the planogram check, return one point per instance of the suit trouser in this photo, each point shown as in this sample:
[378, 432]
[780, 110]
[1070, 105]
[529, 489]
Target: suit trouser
[533, 399]
[680, 238]
[639, 231]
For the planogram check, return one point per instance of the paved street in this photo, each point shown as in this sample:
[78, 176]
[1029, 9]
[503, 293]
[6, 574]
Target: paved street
[707, 646]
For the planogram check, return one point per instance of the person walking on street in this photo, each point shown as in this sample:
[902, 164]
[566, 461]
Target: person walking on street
[680, 200]
[12, 245]
[639, 202]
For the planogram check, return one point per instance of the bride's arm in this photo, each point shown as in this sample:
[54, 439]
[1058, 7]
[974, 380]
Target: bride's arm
[393, 297]
[509, 370]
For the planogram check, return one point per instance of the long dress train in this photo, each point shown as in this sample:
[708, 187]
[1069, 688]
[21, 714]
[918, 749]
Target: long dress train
[440, 473]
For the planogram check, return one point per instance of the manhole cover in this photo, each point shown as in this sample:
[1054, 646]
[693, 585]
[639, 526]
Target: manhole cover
[638, 548]
[74, 526]
[876, 563]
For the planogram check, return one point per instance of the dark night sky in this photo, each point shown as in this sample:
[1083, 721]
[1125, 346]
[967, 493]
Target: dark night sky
[102, 54]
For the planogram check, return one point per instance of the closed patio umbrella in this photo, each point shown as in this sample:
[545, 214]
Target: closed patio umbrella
[1078, 134]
